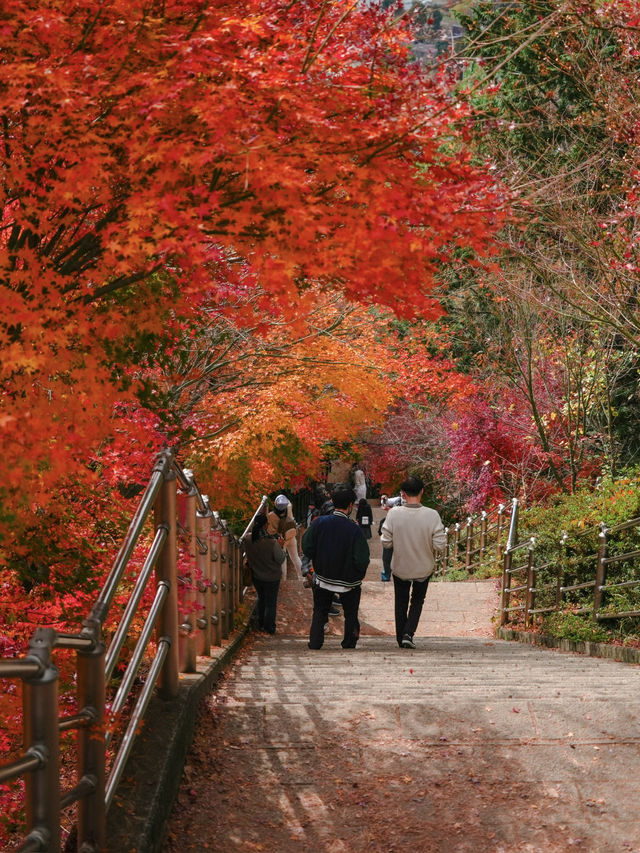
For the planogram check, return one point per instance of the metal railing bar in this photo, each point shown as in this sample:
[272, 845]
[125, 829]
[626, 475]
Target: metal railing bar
[85, 787]
[516, 588]
[618, 558]
[27, 763]
[21, 668]
[263, 503]
[625, 525]
[511, 609]
[101, 607]
[132, 605]
[77, 721]
[137, 715]
[514, 569]
[73, 641]
[623, 614]
[543, 566]
[519, 546]
[541, 610]
[188, 482]
[575, 537]
[138, 654]
[577, 586]
[619, 584]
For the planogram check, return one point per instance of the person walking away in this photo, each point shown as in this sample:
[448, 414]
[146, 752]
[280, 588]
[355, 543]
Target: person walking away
[364, 517]
[265, 556]
[359, 483]
[414, 532]
[387, 553]
[282, 522]
[340, 556]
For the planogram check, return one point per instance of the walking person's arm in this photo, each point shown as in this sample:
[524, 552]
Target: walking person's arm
[439, 537]
[309, 542]
[361, 556]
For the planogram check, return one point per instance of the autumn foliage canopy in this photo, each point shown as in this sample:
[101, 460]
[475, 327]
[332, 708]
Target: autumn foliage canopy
[160, 159]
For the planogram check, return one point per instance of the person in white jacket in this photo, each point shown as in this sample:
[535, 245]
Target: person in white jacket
[414, 532]
[360, 484]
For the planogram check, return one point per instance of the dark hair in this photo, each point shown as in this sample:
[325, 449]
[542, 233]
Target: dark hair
[258, 526]
[363, 502]
[412, 486]
[327, 508]
[343, 497]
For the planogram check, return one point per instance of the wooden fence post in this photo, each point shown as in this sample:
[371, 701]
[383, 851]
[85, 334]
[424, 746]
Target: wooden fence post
[216, 588]
[483, 534]
[225, 609]
[188, 633]
[203, 527]
[601, 570]
[561, 570]
[506, 586]
[530, 598]
[41, 734]
[167, 570]
[499, 526]
[91, 757]
[456, 542]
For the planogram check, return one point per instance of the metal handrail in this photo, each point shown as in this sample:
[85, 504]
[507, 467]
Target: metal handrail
[123, 628]
[134, 532]
[264, 502]
[136, 659]
[138, 713]
[219, 594]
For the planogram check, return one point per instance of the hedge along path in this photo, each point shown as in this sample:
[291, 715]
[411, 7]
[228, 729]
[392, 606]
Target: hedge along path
[467, 743]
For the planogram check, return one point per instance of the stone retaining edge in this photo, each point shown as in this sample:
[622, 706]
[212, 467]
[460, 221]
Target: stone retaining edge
[583, 647]
[138, 819]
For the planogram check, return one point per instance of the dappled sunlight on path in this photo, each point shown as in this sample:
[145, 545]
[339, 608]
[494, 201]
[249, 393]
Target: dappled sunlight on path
[467, 744]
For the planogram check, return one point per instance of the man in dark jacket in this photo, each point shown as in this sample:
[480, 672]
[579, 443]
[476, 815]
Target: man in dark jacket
[340, 556]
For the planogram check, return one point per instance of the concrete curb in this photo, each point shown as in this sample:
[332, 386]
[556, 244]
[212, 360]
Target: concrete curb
[138, 818]
[594, 650]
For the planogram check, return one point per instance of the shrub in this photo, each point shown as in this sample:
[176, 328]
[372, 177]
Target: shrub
[572, 626]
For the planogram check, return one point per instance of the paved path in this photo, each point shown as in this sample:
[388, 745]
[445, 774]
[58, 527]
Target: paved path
[465, 745]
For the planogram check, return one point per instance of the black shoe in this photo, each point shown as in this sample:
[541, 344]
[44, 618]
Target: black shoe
[407, 642]
[334, 611]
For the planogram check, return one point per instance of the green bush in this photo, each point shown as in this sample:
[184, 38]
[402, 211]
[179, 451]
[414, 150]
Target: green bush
[572, 626]
[572, 560]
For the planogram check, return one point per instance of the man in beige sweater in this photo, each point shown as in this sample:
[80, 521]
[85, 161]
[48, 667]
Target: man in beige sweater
[414, 532]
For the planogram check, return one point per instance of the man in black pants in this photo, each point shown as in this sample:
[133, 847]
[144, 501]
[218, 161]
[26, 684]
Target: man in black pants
[414, 533]
[340, 556]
